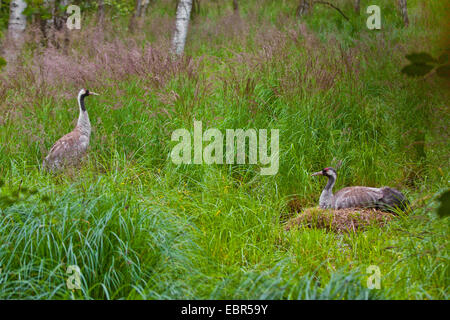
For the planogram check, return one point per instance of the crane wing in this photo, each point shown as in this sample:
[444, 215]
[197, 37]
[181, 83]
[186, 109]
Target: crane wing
[65, 149]
[352, 197]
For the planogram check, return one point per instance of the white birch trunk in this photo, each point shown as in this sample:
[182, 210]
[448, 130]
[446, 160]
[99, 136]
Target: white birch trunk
[181, 26]
[17, 20]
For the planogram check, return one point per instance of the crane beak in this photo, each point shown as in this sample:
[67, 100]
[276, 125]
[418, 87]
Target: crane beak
[93, 93]
[317, 173]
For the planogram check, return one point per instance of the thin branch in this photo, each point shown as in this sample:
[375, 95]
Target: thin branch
[333, 6]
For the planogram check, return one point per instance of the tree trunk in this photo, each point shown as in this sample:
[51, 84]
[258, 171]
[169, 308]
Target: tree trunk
[357, 6]
[303, 7]
[404, 10]
[139, 8]
[235, 6]
[145, 4]
[136, 14]
[60, 24]
[61, 16]
[181, 26]
[49, 24]
[17, 20]
[101, 12]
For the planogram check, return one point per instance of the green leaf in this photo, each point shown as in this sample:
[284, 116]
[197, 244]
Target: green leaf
[444, 208]
[29, 11]
[46, 16]
[420, 58]
[443, 71]
[417, 69]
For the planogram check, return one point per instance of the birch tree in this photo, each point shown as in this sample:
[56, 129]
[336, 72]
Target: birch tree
[404, 11]
[181, 26]
[17, 20]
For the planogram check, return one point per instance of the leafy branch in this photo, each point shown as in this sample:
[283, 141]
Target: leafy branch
[422, 64]
[444, 208]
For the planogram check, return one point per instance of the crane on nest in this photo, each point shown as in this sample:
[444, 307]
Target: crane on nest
[70, 149]
[384, 198]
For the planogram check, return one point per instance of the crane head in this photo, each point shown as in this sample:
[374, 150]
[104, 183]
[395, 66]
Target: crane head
[85, 93]
[327, 172]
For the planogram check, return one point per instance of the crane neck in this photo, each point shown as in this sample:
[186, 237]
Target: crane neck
[326, 198]
[330, 184]
[83, 124]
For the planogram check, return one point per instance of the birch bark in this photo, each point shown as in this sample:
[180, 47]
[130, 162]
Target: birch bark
[181, 26]
[17, 20]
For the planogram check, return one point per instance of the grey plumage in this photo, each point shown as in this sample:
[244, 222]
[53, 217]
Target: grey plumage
[384, 198]
[70, 149]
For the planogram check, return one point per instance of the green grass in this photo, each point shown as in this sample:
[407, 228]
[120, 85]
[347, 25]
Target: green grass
[140, 227]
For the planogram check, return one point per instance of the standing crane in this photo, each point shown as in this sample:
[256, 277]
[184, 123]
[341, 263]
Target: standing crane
[384, 198]
[70, 149]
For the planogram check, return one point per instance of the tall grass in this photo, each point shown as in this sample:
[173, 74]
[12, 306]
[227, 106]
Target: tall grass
[141, 227]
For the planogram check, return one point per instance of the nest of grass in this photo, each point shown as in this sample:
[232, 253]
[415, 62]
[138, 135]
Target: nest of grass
[341, 220]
